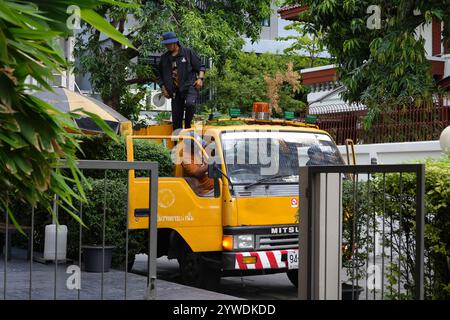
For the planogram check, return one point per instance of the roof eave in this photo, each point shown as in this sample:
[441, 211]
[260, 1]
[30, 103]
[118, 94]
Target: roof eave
[292, 13]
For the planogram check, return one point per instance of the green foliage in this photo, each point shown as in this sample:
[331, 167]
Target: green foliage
[310, 43]
[162, 116]
[225, 123]
[381, 67]
[115, 222]
[357, 219]
[33, 136]
[103, 148]
[395, 197]
[214, 31]
[240, 82]
[437, 227]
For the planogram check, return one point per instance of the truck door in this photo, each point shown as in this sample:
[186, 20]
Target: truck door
[197, 219]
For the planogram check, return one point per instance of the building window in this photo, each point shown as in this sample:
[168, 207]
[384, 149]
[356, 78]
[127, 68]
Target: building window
[266, 22]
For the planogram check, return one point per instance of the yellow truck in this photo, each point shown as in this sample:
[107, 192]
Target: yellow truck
[249, 225]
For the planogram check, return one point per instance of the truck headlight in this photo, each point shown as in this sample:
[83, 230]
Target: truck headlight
[244, 241]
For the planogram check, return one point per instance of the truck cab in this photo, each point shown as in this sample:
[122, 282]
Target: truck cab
[249, 224]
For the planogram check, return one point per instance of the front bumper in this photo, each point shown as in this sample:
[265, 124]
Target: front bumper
[265, 260]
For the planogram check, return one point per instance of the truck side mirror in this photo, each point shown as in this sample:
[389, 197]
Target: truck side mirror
[216, 174]
[213, 171]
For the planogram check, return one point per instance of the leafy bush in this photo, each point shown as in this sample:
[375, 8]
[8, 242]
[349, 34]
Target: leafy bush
[162, 116]
[437, 229]
[240, 82]
[356, 221]
[437, 225]
[115, 226]
[102, 148]
[115, 208]
[397, 201]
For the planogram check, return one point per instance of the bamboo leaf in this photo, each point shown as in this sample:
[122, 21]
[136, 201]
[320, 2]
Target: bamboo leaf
[15, 223]
[77, 218]
[121, 4]
[9, 15]
[102, 124]
[3, 48]
[14, 140]
[23, 164]
[94, 19]
[28, 132]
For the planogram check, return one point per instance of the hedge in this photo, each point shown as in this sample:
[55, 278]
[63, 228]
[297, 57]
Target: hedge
[103, 148]
[437, 224]
[437, 227]
[115, 222]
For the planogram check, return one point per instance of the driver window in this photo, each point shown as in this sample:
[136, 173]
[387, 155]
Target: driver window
[195, 167]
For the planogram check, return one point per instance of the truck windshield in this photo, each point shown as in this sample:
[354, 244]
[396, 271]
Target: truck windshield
[275, 156]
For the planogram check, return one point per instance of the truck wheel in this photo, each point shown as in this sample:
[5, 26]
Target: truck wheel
[293, 276]
[196, 272]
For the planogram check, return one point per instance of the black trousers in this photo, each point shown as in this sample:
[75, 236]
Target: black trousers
[183, 104]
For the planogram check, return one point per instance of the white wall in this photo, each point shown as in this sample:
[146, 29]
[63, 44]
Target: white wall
[447, 65]
[395, 153]
[425, 32]
[267, 42]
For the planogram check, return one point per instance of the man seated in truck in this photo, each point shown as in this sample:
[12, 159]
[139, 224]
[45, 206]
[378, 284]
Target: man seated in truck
[195, 167]
[316, 156]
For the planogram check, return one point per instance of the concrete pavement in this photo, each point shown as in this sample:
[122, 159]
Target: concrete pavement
[263, 287]
[43, 284]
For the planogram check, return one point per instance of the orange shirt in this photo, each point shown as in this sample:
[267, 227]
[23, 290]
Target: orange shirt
[192, 169]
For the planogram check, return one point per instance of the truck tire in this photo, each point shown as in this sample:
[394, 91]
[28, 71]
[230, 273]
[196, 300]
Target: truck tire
[197, 272]
[293, 276]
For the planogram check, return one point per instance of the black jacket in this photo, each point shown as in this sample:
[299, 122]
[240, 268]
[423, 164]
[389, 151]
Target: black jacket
[188, 65]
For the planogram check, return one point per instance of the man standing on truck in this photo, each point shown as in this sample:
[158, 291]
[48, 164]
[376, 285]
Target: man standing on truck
[181, 75]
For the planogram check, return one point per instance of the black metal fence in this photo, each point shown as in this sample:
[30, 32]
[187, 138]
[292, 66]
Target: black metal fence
[362, 230]
[66, 275]
[397, 125]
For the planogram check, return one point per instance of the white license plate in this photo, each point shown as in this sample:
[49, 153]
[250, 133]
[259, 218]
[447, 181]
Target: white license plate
[292, 259]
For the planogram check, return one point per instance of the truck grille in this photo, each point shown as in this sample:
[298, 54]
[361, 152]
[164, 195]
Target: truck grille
[281, 241]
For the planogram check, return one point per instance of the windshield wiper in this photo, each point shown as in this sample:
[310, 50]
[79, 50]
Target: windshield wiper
[262, 180]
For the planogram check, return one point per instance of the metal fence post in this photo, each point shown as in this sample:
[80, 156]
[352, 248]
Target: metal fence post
[304, 279]
[420, 222]
[325, 227]
[319, 230]
[152, 237]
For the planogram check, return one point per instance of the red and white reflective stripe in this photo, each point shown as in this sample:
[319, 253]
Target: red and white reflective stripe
[264, 260]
